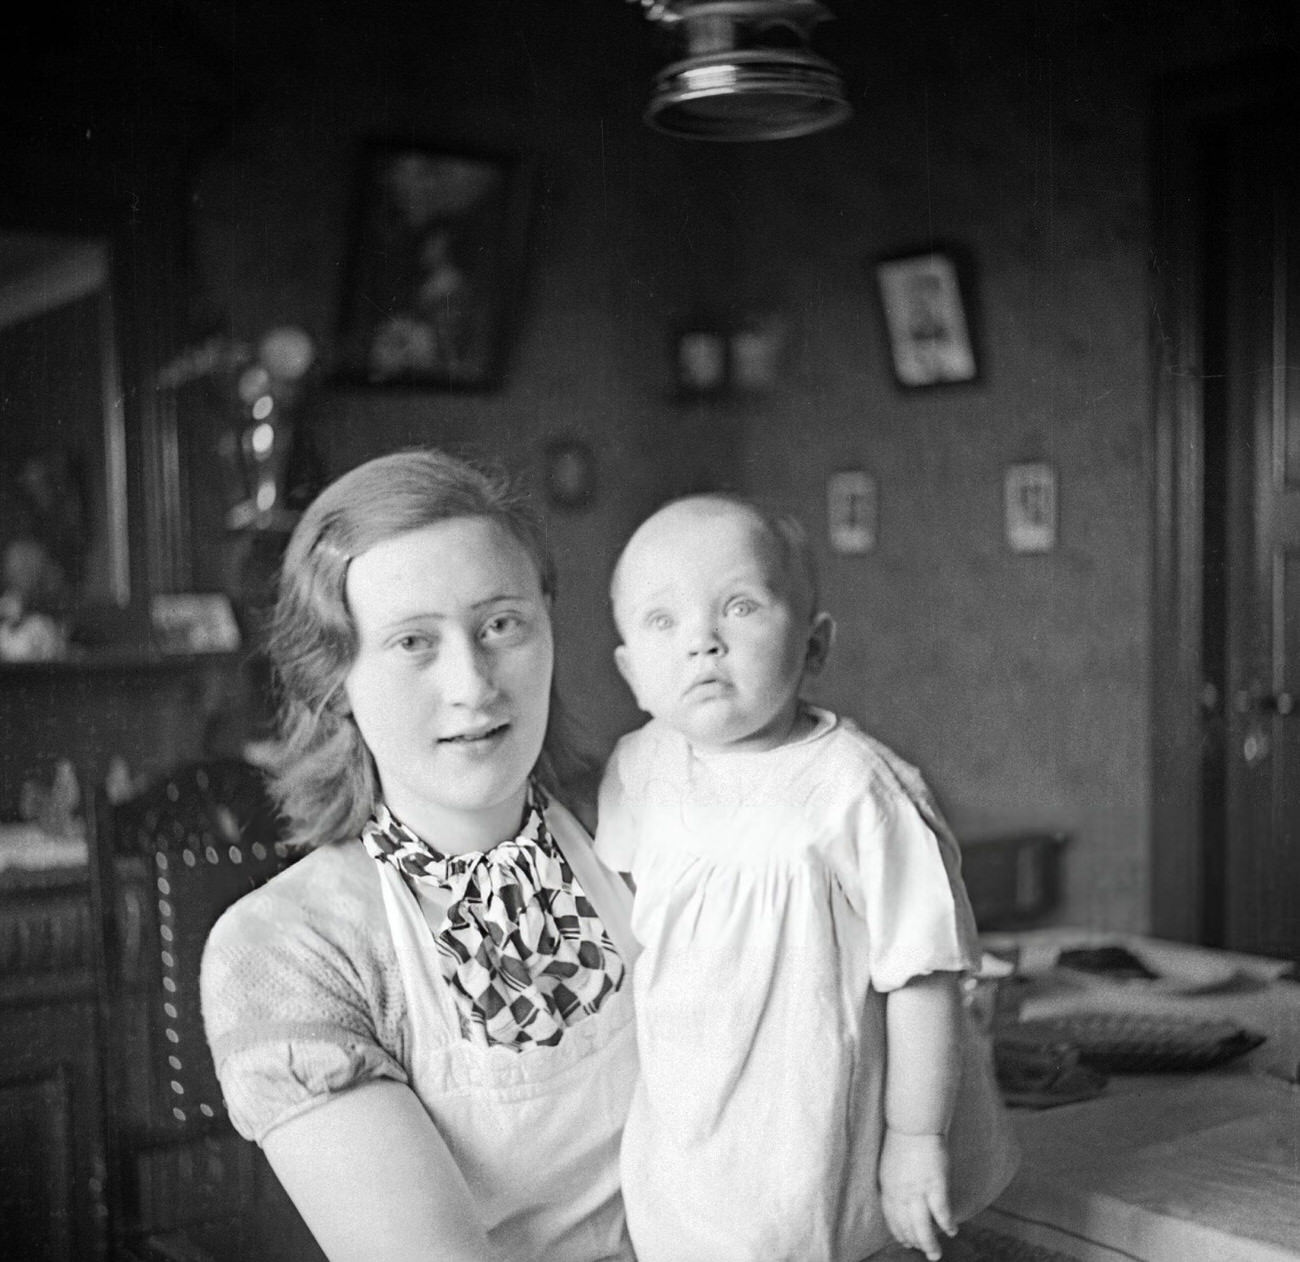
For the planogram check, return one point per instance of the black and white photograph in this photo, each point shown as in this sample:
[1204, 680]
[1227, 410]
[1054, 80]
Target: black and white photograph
[650, 631]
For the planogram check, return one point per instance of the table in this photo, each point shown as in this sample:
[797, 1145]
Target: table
[1161, 1168]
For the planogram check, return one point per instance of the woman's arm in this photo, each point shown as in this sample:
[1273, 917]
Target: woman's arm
[372, 1178]
[921, 1072]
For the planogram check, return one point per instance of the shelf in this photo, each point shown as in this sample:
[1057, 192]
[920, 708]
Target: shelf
[120, 662]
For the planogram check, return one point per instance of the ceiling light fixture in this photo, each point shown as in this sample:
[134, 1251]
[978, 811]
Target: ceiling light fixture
[746, 73]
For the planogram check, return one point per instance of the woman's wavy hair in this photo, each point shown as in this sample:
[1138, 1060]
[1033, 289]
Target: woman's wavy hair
[323, 778]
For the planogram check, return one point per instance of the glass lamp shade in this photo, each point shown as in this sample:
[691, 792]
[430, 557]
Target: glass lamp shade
[747, 96]
[747, 72]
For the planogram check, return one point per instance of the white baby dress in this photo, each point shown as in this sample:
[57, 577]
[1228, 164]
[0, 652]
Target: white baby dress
[779, 896]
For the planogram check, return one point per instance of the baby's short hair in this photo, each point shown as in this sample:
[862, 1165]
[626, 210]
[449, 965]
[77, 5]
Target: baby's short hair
[785, 530]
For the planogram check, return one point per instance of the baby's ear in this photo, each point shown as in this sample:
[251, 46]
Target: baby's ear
[821, 636]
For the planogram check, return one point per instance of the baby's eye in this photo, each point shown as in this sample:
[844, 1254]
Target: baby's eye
[742, 606]
[659, 621]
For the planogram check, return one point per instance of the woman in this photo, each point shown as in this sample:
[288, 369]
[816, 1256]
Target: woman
[426, 1022]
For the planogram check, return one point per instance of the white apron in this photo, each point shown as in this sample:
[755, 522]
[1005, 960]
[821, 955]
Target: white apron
[535, 1133]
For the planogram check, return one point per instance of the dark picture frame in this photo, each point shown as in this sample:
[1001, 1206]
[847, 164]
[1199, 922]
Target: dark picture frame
[435, 263]
[63, 471]
[928, 321]
[570, 473]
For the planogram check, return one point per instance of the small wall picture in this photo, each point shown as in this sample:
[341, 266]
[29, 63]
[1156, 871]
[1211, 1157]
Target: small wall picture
[702, 362]
[570, 473]
[723, 357]
[436, 260]
[1029, 494]
[929, 331]
[194, 622]
[851, 511]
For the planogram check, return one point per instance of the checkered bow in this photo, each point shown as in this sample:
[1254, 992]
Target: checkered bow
[520, 945]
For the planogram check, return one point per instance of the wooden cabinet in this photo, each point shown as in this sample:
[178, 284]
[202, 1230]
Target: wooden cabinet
[51, 1134]
[53, 1139]
[56, 1043]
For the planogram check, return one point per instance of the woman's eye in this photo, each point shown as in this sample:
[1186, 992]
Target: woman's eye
[414, 642]
[503, 625]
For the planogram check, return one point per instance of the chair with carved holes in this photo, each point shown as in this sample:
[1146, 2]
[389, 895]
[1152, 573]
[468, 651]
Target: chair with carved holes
[187, 1186]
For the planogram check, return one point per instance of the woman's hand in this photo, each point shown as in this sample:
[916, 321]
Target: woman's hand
[372, 1178]
[914, 1190]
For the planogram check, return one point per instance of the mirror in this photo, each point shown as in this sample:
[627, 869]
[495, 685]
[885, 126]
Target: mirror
[63, 459]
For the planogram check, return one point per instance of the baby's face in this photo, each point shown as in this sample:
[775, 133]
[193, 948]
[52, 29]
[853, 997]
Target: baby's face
[714, 638]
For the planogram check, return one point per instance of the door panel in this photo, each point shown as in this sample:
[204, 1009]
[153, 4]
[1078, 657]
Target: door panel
[1261, 863]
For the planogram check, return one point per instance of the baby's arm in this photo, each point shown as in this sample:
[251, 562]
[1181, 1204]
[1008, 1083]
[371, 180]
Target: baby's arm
[922, 1068]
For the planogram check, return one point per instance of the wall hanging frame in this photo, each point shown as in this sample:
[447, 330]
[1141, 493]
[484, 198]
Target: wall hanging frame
[570, 473]
[434, 266]
[927, 317]
[852, 511]
[64, 532]
[1029, 500]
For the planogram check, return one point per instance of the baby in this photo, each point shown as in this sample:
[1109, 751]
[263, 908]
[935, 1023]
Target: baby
[810, 1085]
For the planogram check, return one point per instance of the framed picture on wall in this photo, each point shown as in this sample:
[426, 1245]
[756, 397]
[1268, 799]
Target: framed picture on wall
[435, 261]
[570, 473]
[194, 622]
[928, 325]
[64, 531]
[1029, 505]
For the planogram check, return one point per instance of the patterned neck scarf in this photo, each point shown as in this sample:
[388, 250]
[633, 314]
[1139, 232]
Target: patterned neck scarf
[520, 945]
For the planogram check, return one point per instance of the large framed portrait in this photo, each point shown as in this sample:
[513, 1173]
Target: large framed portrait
[435, 265]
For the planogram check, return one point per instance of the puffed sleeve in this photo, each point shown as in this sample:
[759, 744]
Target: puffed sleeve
[294, 1015]
[270, 1083]
[616, 815]
[918, 916]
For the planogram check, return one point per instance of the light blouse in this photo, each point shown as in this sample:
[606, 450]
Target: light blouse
[329, 975]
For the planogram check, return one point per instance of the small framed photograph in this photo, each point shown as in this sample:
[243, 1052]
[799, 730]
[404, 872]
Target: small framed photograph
[194, 622]
[929, 328]
[702, 367]
[435, 263]
[1029, 497]
[852, 511]
[570, 473]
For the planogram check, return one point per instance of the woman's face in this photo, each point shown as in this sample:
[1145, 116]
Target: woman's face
[451, 683]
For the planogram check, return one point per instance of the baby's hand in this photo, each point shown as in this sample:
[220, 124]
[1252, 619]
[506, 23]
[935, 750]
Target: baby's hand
[914, 1190]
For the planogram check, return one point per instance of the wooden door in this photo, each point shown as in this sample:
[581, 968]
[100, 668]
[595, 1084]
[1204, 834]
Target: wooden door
[1253, 472]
